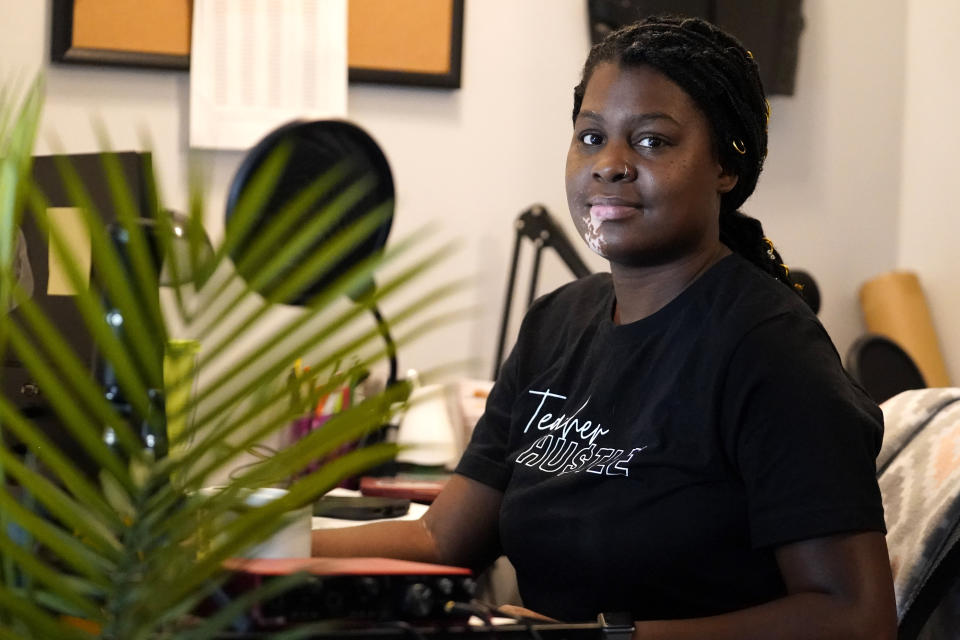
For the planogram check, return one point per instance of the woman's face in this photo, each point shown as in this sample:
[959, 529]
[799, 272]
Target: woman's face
[643, 177]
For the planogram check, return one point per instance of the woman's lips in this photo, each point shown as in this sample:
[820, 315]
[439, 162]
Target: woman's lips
[604, 212]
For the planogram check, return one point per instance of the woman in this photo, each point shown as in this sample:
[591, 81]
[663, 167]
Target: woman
[677, 438]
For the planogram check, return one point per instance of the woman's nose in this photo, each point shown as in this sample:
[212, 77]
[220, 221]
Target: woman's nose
[614, 169]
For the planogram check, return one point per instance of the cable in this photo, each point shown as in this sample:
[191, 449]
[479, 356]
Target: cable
[486, 613]
[477, 609]
[527, 623]
[482, 611]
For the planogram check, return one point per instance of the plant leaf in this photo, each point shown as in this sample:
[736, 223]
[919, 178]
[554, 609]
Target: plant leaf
[38, 620]
[145, 273]
[124, 552]
[10, 634]
[324, 333]
[144, 329]
[47, 453]
[83, 559]
[87, 299]
[65, 361]
[50, 576]
[255, 525]
[242, 604]
[72, 514]
[62, 397]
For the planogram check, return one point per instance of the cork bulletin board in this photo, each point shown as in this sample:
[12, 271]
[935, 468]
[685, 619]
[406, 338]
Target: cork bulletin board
[414, 42]
[145, 33]
[409, 42]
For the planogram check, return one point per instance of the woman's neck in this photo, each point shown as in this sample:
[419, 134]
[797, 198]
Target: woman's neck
[642, 291]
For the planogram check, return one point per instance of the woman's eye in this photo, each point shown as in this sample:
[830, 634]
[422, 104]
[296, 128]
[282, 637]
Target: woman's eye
[591, 139]
[650, 142]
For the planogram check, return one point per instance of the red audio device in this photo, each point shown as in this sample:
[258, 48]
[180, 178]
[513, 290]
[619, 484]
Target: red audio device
[352, 588]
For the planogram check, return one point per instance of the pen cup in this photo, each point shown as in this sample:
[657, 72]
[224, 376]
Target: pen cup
[179, 381]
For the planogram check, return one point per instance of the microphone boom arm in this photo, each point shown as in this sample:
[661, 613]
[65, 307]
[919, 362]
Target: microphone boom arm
[537, 225]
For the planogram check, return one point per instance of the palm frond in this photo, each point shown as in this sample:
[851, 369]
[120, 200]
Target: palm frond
[36, 620]
[146, 329]
[135, 550]
[51, 457]
[90, 304]
[71, 514]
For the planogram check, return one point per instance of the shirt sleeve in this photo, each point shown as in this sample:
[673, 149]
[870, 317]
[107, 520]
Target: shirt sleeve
[803, 435]
[485, 457]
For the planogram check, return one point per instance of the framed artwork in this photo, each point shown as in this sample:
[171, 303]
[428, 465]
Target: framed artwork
[145, 33]
[405, 42]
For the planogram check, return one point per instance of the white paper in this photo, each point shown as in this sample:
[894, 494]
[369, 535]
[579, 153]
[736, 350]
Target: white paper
[255, 64]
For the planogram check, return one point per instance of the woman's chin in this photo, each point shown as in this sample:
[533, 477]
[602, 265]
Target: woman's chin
[597, 246]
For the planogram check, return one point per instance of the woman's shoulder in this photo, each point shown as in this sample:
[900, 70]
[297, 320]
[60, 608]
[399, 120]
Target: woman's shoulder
[754, 296]
[762, 316]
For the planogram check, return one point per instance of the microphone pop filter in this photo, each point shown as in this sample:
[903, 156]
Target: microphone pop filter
[315, 149]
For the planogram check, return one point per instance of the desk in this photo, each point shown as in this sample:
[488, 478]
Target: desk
[583, 631]
[332, 631]
[489, 584]
[498, 584]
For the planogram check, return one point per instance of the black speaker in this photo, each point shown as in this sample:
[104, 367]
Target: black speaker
[769, 29]
[882, 367]
[16, 382]
[808, 288]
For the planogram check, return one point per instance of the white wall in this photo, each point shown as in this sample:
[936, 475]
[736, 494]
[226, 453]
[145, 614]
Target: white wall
[471, 160]
[829, 194]
[929, 228]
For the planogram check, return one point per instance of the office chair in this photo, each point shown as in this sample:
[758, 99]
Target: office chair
[882, 367]
[918, 472]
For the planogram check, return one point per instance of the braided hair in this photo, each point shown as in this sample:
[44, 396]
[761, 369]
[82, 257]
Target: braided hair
[721, 77]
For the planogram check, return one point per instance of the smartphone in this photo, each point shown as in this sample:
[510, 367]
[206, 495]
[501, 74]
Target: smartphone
[360, 507]
[412, 488]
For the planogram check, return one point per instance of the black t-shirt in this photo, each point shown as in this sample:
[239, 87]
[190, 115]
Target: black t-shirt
[654, 467]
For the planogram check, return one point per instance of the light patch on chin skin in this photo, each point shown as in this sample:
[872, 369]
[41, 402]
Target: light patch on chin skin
[592, 236]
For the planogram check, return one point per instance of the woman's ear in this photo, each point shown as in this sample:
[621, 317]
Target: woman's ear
[726, 180]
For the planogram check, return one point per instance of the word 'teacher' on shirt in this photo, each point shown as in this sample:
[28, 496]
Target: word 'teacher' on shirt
[571, 444]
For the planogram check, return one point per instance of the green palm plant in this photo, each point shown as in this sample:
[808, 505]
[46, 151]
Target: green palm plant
[133, 551]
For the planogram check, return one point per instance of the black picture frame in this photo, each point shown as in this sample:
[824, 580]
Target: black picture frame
[62, 49]
[448, 80]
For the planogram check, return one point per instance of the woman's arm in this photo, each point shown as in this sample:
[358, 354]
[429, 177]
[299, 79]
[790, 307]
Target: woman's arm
[460, 528]
[837, 587]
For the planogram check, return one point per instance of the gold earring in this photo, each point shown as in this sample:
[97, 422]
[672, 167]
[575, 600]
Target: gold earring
[738, 145]
[770, 253]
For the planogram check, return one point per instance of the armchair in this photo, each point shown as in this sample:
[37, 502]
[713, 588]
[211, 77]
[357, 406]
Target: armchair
[919, 474]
